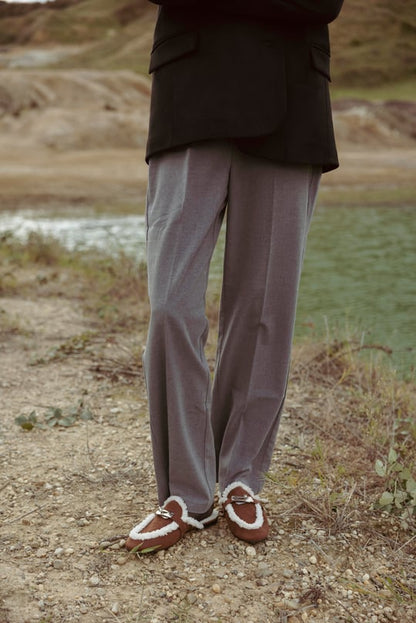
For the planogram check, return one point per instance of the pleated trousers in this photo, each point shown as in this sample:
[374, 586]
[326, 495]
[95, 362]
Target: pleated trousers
[205, 431]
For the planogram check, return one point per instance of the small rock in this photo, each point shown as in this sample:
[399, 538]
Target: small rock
[216, 588]
[292, 604]
[59, 551]
[58, 564]
[366, 577]
[94, 580]
[41, 553]
[263, 571]
[121, 560]
[83, 522]
[191, 598]
[115, 608]
[287, 573]
[69, 551]
[251, 551]
[313, 560]
[262, 582]
[83, 609]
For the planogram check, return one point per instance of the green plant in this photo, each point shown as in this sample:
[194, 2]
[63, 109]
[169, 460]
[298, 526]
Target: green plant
[400, 492]
[55, 416]
[27, 422]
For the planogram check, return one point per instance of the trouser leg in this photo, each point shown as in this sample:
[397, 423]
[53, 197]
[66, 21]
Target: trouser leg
[186, 200]
[269, 212]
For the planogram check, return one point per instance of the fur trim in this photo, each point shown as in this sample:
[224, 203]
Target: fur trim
[258, 523]
[184, 517]
[211, 518]
[137, 534]
[233, 485]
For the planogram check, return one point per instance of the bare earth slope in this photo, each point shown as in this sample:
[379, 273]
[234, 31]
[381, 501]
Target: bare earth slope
[79, 135]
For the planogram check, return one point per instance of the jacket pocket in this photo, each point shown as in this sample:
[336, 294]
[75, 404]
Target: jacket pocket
[321, 61]
[171, 49]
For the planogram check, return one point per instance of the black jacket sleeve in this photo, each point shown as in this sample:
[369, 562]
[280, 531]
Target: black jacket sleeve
[309, 11]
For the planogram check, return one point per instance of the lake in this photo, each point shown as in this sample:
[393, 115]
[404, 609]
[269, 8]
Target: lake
[358, 279]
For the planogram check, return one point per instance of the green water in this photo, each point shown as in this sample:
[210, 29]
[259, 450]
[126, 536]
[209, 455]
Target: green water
[359, 277]
[359, 281]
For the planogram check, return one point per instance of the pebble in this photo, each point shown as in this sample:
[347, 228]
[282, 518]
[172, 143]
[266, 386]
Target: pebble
[58, 564]
[191, 598]
[216, 588]
[58, 552]
[262, 582]
[263, 571]
[115, 608]
[83, 522]
[94, 580]
[251, 551]
[287, 573]
[313, 560]
[292, 604]
[69, 551]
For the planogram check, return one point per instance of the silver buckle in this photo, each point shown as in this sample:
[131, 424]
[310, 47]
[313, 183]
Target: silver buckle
[163, 512]
[242, 499]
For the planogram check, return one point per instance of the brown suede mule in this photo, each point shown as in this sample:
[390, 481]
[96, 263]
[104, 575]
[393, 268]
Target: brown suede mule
[166, 526]
[244, 513]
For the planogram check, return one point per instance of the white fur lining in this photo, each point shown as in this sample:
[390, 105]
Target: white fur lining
[233, 485]
[211, 518]
[244, 524]
[258, 523]
[137, 534]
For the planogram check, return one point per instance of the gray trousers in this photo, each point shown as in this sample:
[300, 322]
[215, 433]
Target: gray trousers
[203, 434]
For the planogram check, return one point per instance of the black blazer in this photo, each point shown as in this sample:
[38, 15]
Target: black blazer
[256, 71]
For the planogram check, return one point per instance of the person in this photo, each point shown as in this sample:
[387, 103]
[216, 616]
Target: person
[241, 128]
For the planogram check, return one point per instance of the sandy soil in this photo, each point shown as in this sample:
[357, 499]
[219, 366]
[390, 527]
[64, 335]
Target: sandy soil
[70, 495]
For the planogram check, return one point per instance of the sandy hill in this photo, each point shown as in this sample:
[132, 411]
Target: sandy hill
[373, 41]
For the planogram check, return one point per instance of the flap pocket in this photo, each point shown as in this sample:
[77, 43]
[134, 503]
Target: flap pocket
[172, 48]
[321, 61]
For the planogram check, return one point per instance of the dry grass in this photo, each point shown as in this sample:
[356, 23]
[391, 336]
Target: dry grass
[357, 412]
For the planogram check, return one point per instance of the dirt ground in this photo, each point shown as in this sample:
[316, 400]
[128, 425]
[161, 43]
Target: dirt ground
[69, 495]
